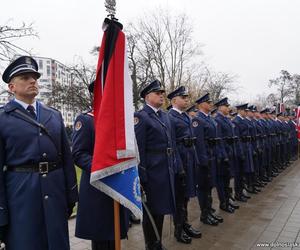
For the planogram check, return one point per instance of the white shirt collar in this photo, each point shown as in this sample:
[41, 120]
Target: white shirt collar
[240, 116]
[176, 109]
[155, 109]
[25, 105]
[203, 113]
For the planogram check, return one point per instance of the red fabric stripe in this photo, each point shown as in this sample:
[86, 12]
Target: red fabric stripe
[109, 109]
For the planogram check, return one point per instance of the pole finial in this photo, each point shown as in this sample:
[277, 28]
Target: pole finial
[110, 6]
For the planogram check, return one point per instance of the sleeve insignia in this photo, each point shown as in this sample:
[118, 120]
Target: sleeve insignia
[195, 124]
[136, 120]
[78, 125]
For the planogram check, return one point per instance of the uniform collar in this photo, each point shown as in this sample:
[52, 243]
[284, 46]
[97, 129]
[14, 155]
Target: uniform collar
[240, 116]
[177, 110]
[25, 105]
[204, 113]
[154, 109]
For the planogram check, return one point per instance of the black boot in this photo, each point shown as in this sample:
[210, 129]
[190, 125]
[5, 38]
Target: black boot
[181, 236]
[226, 207]
[207, 219]
[190, 231]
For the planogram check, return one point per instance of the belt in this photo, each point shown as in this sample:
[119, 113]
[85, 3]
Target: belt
[167, 151]
[213, 141]
[187, 142]
[246, 138]
[41, 167]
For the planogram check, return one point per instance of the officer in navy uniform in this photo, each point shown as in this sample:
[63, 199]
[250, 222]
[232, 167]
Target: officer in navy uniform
[266, 141]
[95, 214]
[206, 142]
[185, 182]
[38, 186]
[226, 128]
[158, 161]
[251, 177]
[245, 160]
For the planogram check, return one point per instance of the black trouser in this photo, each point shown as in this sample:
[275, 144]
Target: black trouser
[180, 216]
[103, 245]
[149, 234]
[238, 179]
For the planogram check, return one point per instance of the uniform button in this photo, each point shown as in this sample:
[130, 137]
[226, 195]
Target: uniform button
[44, 155]
[46, 197]
[44, 175]
[41, 134]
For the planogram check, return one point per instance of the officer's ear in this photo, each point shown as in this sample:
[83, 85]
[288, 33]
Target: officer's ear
[11, 86]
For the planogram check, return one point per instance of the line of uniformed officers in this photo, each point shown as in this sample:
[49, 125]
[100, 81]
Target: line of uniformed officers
[183, 154]
[186, 152]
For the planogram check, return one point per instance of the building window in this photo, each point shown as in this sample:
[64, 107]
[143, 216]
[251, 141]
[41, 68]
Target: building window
[48, 70]
[41, 64]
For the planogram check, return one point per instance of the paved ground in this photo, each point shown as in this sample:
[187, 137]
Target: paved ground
[273, 216]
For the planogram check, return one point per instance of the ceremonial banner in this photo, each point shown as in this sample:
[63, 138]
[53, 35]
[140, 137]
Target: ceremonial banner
[114, 167]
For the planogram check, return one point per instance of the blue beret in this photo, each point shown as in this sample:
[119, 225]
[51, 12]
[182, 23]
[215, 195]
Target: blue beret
[242, 106]
[154, 86]
[222, 102]
[180, 91]
[204, 98]
[23, 64]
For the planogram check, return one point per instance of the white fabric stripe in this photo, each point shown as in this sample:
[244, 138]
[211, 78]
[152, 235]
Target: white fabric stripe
[128, 105]
[113, 170]
[17, 70]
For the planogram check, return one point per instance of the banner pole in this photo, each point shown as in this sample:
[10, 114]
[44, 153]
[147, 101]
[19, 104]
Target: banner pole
[117, 225]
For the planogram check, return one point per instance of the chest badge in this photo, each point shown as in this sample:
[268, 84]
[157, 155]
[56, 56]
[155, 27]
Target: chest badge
[195, 124]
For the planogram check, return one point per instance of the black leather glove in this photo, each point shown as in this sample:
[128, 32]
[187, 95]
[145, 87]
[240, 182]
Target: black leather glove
[70, 208]
[3, 230]
[182, 178]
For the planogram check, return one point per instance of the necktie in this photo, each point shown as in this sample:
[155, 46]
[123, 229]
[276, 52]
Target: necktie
[31, 112]
[158, 113]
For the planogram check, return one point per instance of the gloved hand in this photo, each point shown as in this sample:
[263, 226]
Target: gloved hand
[70, 208]
[3, 230]
[182, 177]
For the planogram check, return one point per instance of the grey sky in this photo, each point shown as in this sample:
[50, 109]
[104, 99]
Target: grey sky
[252, 38]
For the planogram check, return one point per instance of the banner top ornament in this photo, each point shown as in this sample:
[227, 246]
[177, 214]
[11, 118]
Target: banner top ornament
[110, 6]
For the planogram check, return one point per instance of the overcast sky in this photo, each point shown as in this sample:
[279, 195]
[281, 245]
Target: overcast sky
[254, 39]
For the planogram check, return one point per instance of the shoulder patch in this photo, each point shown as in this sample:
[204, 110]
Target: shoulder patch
[136, 120]
[195, 124]
[78, 125]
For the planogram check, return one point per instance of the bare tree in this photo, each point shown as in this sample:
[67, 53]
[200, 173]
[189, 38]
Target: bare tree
[219, 84]
[75, 95]
[282, 84]
[295, 87]
[9, 34]
[160, 46]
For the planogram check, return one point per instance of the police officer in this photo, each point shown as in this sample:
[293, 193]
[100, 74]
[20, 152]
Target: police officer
[206, 146]
[38, 187]
[226, 128]
[185, 182]
[95, 214]
[245, 160]
[156, 143]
